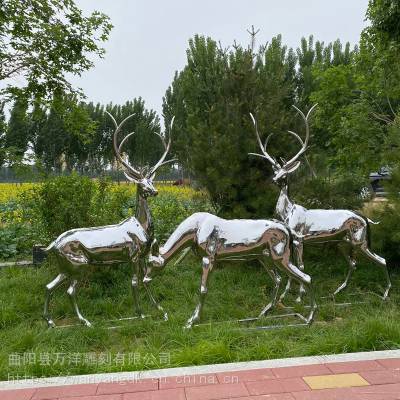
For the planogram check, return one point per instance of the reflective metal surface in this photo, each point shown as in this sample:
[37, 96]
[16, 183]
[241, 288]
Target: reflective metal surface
[216, 239]
[130, 241]
[348, 228]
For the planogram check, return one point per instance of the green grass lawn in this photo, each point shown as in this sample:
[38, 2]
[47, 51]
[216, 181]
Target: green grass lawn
[235, 291]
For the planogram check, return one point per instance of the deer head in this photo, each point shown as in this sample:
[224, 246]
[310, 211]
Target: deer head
[142, 177]
[283, 168]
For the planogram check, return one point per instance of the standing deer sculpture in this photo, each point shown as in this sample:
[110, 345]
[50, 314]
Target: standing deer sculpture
[130, 241]
[216, 239]
[349, 229]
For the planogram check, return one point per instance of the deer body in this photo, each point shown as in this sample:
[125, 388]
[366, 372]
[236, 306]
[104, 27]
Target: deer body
[130, 241]
[315, 225]
[217, 239]
[348, 228]
[110, 244]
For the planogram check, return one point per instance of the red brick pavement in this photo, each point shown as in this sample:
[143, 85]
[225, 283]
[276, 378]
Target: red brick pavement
[382, 376]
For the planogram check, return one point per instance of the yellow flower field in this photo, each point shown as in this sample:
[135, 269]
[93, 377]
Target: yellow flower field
[9, 191]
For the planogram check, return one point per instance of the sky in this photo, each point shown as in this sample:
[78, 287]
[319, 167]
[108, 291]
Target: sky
[149, 40]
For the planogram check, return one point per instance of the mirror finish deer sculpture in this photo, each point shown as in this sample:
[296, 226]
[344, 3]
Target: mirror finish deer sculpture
[216, 239]
[348, 228]
[130, 241]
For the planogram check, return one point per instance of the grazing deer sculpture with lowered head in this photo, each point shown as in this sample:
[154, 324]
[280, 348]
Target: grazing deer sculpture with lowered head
[216, 239]
[349, 229]
[130, 241]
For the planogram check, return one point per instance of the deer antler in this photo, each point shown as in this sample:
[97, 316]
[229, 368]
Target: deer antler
[167, 146]
[117, 149]
[263, 147]
[304, 143]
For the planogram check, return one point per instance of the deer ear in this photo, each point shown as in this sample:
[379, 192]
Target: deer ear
[293, 167]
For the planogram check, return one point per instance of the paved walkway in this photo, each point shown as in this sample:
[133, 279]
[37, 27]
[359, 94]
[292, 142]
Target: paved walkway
[319, 378]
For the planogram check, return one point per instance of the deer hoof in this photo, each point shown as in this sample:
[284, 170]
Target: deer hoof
[50, 323]
[86, 323]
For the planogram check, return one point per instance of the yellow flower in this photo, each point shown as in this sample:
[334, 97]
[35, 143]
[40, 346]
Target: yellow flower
[10, 191]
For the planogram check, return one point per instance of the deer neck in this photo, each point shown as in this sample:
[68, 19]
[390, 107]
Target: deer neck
[284, 205]
[143, 214]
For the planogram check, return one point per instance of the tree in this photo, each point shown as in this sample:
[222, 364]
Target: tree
[63, 137]
[384, 16]
[144, 148]
[17, 138]
[3, 130]
[43, 40]
[211, 99]
[310, 55]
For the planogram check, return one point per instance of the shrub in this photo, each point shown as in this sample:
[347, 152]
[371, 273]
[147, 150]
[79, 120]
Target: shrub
[15, 233]
[387, 233]
[171, 207]
[71, 202]
[65, 202]
[342, 192]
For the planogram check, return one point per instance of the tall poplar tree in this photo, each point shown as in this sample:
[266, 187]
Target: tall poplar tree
[17, 136]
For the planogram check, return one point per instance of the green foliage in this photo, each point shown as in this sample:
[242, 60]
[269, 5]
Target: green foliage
[65, 203]
[336, 87]
[384, 16]
[358, 141]
[169, 210]
[110, 204]
[73, 201]
[211, 100]
[15, 234]
[73, 135]
[8, 242]
[387, 233]
[310, 55]
[342, 192]
[44, 40]
[63, 135]
[3, 130]
[18, 126]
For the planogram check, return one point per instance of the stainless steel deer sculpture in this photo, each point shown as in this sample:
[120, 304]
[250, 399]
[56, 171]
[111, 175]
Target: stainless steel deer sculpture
[130, 241]
[216, 239]
[348, 228]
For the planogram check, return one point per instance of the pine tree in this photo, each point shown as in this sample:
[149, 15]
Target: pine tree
[211, 99]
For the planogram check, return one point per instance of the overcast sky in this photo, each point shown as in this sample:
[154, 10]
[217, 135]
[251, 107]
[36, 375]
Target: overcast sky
[149, 39]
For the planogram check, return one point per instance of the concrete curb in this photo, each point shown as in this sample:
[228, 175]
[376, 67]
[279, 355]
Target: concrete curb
[197, 370]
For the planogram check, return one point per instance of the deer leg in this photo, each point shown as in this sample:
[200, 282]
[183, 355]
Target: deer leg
[286, 290]
[135, 288]
[381, 262]
[298, 250]
[277, 281]
[50, 288]
[304, 279]
[72, 295]
[207, 264]
[146, 282]
[348, 254]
